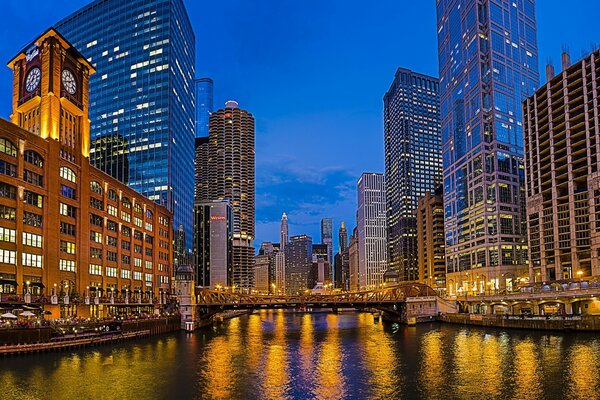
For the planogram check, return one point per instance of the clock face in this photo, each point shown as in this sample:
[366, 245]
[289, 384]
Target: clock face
[33, 79]
[68, 81]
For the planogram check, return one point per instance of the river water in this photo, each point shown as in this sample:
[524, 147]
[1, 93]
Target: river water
[286, 355]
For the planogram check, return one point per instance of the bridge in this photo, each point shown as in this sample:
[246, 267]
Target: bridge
[404, 302]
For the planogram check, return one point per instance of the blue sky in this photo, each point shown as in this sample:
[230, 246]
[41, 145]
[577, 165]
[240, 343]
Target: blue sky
[313, 73]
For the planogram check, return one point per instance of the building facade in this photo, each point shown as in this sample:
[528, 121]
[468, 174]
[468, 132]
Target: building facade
[327, 237]
[430, 241]
[73, 236]
[298, 263]
[341, 261]
[353, 262]
[413, 162]
[201, 155]
[111, 156]
[144, 55]
[231, 177]
[283, 232]
[261, 273]
[562, 139]
[488, 66]
[372, 231]
[204, 105]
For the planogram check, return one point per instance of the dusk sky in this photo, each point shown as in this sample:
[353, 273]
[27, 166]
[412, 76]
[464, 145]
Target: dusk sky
[313, 73]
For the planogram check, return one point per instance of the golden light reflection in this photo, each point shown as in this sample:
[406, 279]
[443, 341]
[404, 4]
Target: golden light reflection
[328, 378]
[432, 373]
[254, 340]
[527, 371]
[275, 377]
[583, 371]
[307, 348]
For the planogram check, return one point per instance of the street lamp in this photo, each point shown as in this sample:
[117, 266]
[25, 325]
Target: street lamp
[579, 274]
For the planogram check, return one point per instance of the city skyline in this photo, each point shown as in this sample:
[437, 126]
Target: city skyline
[281, 179]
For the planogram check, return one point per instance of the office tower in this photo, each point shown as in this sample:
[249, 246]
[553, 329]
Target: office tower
[327, 237]
[69, 229]
[279, 287]
[201, 170]
[111, 156]
[488, 65]
[320, 273]
[430, 240]
[213, 243]
[271, 250]
[343, 237]
[413, 162]
[341, 261]
[298, 262]
[231, 177]
[283, 232]
[353, 262]
[144, 55]
[372, 232]
[261, 273]
[204, 105]
[562, 143]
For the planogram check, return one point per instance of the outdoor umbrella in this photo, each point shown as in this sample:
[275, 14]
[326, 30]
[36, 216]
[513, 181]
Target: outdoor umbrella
[8, 315]
[27, 314]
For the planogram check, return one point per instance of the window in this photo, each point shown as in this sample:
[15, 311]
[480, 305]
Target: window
[111, 271]
[67, 229]
[126, 203]
[125, 259]
[163, 279]
[137, 221]
[96, 203]
[137, 262]
[68, 192]
[96, 220]
[148, 264]
[137, 235]
[112, 210]
[112, 226]
[112, 195]
[8, 235]
[32, 260]
[8, 256]
[149, 239]
[7, 147]
[125, 274]
[96, 253]
[96, 237]
[33, 178]
[149, 252]
[149, 214]
[111, 241]
[137, 248]
[67, 210]
[95, 187]
[148, 226]
[31, 239]
[137, 275]
[34, 158]
[8, 213]
[163, 220]
[138, 209]
[126, 216]
[163, 232]
[67, 247]
[8, 191]
[68, 174]
[95, 269]
[32, 198]
[126, 231]
[125, 245]
[8, 168]
[148, 277]
[32, 219]
[111, 256]
[66, 265]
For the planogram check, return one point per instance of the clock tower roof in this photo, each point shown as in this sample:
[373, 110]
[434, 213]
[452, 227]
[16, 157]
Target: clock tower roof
[51, 32]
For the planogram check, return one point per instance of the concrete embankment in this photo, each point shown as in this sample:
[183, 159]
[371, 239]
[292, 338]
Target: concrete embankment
[572, 323]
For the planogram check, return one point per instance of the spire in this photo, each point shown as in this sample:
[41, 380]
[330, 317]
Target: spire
[343, 227]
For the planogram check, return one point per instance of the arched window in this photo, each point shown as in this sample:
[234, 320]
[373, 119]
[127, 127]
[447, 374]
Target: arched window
[7, 147]
[126, 202]
[95, 187]
[138, 208]
[149, 214]
[112, 195]
[68, 174]
[33, 157]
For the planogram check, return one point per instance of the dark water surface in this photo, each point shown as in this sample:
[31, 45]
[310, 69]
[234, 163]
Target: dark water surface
[277, 355]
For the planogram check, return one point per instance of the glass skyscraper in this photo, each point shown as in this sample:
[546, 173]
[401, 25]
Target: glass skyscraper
[143, 91]
[413, 162]
[488, 65]
[204, 105]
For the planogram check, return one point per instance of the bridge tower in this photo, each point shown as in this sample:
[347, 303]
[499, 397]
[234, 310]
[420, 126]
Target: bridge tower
[184, 287]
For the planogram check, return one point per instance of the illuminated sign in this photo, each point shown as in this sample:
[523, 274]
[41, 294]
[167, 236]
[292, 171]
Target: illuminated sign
[31, 53]
[217, 218]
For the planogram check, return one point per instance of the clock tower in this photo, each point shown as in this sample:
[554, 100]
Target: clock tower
[50, 93]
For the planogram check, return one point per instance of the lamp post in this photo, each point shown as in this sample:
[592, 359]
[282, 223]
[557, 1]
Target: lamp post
[579, 274]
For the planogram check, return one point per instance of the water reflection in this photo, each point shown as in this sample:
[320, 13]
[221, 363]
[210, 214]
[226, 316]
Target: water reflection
[528, 377]
[583, 371]
[329, 378]
[432, 369]
[275, 376]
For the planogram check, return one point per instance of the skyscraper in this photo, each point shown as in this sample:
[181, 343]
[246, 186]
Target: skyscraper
[144, 55]
[371, 227]
[204, 105]
[327, 237]
[430, 241]
[231, 177]
[342, 261]
[283, 232]
[298, 262]
[201, 170]
[413, 162]
[488, 65]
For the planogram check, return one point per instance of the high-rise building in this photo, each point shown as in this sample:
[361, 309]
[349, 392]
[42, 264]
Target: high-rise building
[261, 273]
[111, 156]
[231, 177]
[343, 237]
[413, 162]
[201, 155]
[271, 250]
[144, 55]
[70, 231]
[430, 240]
[327, 237]
[321, 269]
[283, 232]
[488, 66]
[298, 262]
[372, 231]
[353, 262]
[562, 144]
[204, 105]
[341, 260]
[279, 273]
[213, 241]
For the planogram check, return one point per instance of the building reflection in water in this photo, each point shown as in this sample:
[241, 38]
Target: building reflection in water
[328, 378]
[306, 356]
[274, 378]
[583, 371]
[432, 370]
[528, 376]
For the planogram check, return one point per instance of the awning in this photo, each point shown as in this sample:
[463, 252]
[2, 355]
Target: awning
[38, 284]
[8, 282]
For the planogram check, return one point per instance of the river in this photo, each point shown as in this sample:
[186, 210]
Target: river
[286, 355]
